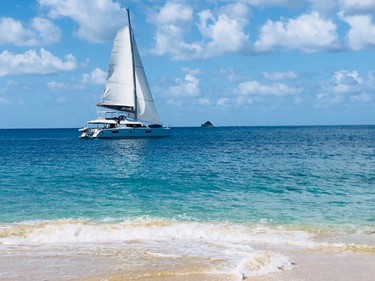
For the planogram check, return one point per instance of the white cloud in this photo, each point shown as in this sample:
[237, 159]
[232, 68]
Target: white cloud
[254, 88]
[220, 33]
[231, 74]
[189, 87]
[97, 76]
[346, 82]
[224, 102]
[362, 31]
[193, 71]
[41, 32]
[32, 62]
[173, 13]
[172, 22]
[347, 87]
[98, 20]
[308, 32]
[47, 30]
[225, 33]
[53, 85]
[277, 76]
[347, 78]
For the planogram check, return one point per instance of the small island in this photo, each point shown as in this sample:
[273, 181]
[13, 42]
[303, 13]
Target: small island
[207, 124]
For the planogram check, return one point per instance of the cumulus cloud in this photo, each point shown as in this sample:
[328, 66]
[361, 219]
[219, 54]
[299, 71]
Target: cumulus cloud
[362, 31]
[347, 87]
[97, 77]
[98, 20]
[346, 81]
[189, 87]
[225, 33]
[173, 13]
[182, 88]
[231, 74]
[226, 29]
[308, 32]
[32, 62]
[255, 88]
[42, 31]
[172, 21]
[220, 33]
[46, 30]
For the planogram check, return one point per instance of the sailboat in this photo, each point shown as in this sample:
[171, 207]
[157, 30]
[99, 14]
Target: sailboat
[127, 94]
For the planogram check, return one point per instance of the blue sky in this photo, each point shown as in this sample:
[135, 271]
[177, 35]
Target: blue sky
[240, 62]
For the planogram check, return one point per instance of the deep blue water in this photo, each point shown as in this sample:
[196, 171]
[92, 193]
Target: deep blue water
[283, 175]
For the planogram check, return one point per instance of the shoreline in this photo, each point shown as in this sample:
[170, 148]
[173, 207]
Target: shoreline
[157, 250]
[309, 266]
[112, 264]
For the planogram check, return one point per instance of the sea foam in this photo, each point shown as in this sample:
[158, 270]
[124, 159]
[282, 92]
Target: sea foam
[77, 231]
[221, 247]
[212, 247]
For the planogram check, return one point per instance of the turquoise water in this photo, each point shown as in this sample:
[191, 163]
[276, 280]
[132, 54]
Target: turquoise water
[279, 175]
[233, 201]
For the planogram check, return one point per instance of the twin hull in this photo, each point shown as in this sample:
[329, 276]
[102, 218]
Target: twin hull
[125, 133]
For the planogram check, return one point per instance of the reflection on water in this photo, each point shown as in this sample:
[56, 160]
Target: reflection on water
[125, 157]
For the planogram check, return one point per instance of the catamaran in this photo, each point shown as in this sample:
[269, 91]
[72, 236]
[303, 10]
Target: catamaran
[127, 94]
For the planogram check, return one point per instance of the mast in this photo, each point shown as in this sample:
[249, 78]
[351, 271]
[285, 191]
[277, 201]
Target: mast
[133, 63]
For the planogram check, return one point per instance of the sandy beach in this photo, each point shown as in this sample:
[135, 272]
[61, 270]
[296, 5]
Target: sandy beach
[310, 266]
[307, 265]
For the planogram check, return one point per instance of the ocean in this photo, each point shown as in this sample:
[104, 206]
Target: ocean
[229, 202]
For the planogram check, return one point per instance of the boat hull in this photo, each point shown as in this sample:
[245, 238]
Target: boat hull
[126, 133]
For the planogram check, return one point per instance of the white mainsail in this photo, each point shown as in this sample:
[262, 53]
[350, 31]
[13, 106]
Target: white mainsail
[119, 90]
[127, 88]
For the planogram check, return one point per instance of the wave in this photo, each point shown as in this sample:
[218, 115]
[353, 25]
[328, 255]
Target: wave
[81, 231]
[244, 250]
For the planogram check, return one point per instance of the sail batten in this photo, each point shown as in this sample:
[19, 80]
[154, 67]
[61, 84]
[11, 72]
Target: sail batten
[127, 87]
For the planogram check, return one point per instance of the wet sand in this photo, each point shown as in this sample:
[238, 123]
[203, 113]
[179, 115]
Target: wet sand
[309, 266]
[320, 266]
